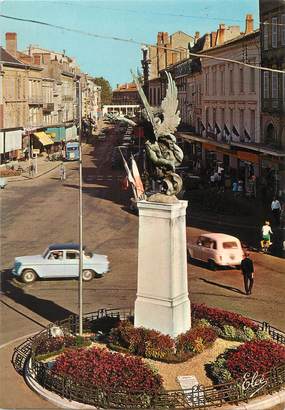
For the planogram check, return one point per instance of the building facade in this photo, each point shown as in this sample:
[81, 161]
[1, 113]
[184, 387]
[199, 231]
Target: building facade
[39, 99]
[272, 19]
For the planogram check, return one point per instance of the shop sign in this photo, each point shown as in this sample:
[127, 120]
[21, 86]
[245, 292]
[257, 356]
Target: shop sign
[252, 383]
[248, 156]
[36, 151]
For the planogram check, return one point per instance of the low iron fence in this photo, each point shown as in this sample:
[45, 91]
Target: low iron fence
[199, 397]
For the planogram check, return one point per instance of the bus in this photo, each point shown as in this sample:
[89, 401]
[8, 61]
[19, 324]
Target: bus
[72, 151]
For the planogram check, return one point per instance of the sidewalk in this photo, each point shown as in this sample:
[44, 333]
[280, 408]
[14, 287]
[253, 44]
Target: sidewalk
[43, 167]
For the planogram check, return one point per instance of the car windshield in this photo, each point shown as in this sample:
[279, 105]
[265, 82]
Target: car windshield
[45, 252]
[230, 245]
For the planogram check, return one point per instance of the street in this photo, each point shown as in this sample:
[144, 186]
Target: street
[39, 212]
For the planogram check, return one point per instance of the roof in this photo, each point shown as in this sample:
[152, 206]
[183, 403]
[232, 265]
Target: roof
[233, 40]
[216, 236]
[64, 246]
[6, 57]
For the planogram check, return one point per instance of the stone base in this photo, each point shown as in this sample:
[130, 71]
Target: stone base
[170, 317]
[162, 296]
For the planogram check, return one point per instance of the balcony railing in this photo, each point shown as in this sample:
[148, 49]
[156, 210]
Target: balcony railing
[67, 98]
[273, 105]
[48, 107]
[34, 100]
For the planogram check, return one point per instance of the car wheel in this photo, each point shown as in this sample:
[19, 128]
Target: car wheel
[28, 276]
[87, 275]
[212, 264]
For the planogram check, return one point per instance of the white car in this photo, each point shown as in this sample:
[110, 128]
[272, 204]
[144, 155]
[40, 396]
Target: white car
[217, 249]
[60, 260]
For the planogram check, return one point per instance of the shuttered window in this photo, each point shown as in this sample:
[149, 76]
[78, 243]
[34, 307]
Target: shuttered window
[274, 32]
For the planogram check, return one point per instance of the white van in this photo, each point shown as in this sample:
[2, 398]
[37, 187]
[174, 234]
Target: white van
[217, 249]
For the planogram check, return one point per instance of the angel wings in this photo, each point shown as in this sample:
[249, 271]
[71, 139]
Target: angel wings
[169, 109]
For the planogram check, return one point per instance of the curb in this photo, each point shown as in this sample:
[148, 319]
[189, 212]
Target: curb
[264, 403]
[27, 178]
[50, 396]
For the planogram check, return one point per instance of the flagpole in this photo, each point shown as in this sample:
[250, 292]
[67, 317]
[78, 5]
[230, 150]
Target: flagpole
[80, 290]
[128, 170]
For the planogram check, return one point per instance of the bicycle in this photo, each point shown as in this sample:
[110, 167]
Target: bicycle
[265, 245]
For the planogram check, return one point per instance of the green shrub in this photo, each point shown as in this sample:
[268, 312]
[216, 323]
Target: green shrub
[229, 332]
[218, 371]
[263, 335]
[249, 333]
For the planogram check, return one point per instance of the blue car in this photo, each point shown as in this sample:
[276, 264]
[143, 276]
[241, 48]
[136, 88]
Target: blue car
[60, 261]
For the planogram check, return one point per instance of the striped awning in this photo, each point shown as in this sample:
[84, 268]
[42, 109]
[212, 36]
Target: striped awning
[43, 138]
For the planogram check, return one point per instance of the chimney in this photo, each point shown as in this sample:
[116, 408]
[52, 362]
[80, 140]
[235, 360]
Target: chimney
[213, 38]
[248, 24]
[11, 43]
[46, 58]
[196, 37]
[37, 59]
[221, 34]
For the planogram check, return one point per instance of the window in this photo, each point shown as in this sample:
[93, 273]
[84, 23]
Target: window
[266, 84]
[265, 34]
[72, 255]
[274, 32]
[252, 124]
[241, 123]
[230, 245]
[283, 78]
[231, 81]
[252, 80]
[231, 120]
[222, 83]
[274, 85]
[207, 83]
[214, 82]
[241, 80]
[282, 29]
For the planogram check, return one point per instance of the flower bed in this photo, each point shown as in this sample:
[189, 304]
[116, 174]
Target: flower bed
[256, 356]
[152, 344]
[219, 317]
[50, 346]
[114, 379]
[108, 371]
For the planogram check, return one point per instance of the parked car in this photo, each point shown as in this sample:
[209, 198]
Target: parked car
[60, 261]
[3, 182]
[217, 249]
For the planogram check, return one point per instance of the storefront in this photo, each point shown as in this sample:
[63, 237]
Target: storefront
[41, 140]
[10, 144]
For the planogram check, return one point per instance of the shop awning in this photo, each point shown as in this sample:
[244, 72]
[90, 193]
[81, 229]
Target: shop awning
[43, 138]
[57, 133]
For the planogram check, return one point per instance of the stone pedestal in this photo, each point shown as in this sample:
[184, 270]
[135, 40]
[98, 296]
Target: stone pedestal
[162, 294]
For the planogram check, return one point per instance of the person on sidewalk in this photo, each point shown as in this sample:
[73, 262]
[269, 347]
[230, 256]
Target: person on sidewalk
[266, 232]
[276, 210]
[62, 172]
[248, 273]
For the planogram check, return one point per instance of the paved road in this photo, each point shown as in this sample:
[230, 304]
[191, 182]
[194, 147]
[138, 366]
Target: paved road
[36, 213]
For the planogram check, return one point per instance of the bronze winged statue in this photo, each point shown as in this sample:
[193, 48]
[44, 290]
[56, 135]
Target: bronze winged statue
[162, 150]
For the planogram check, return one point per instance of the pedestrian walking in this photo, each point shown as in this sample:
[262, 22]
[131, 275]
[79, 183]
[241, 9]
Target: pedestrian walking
[235, 187]
[276, 210]
[62, 172]
[248, 273]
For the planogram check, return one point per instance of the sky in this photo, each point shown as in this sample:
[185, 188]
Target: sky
[139, 20]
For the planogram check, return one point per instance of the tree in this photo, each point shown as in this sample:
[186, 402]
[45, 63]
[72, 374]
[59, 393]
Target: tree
[106, 90]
